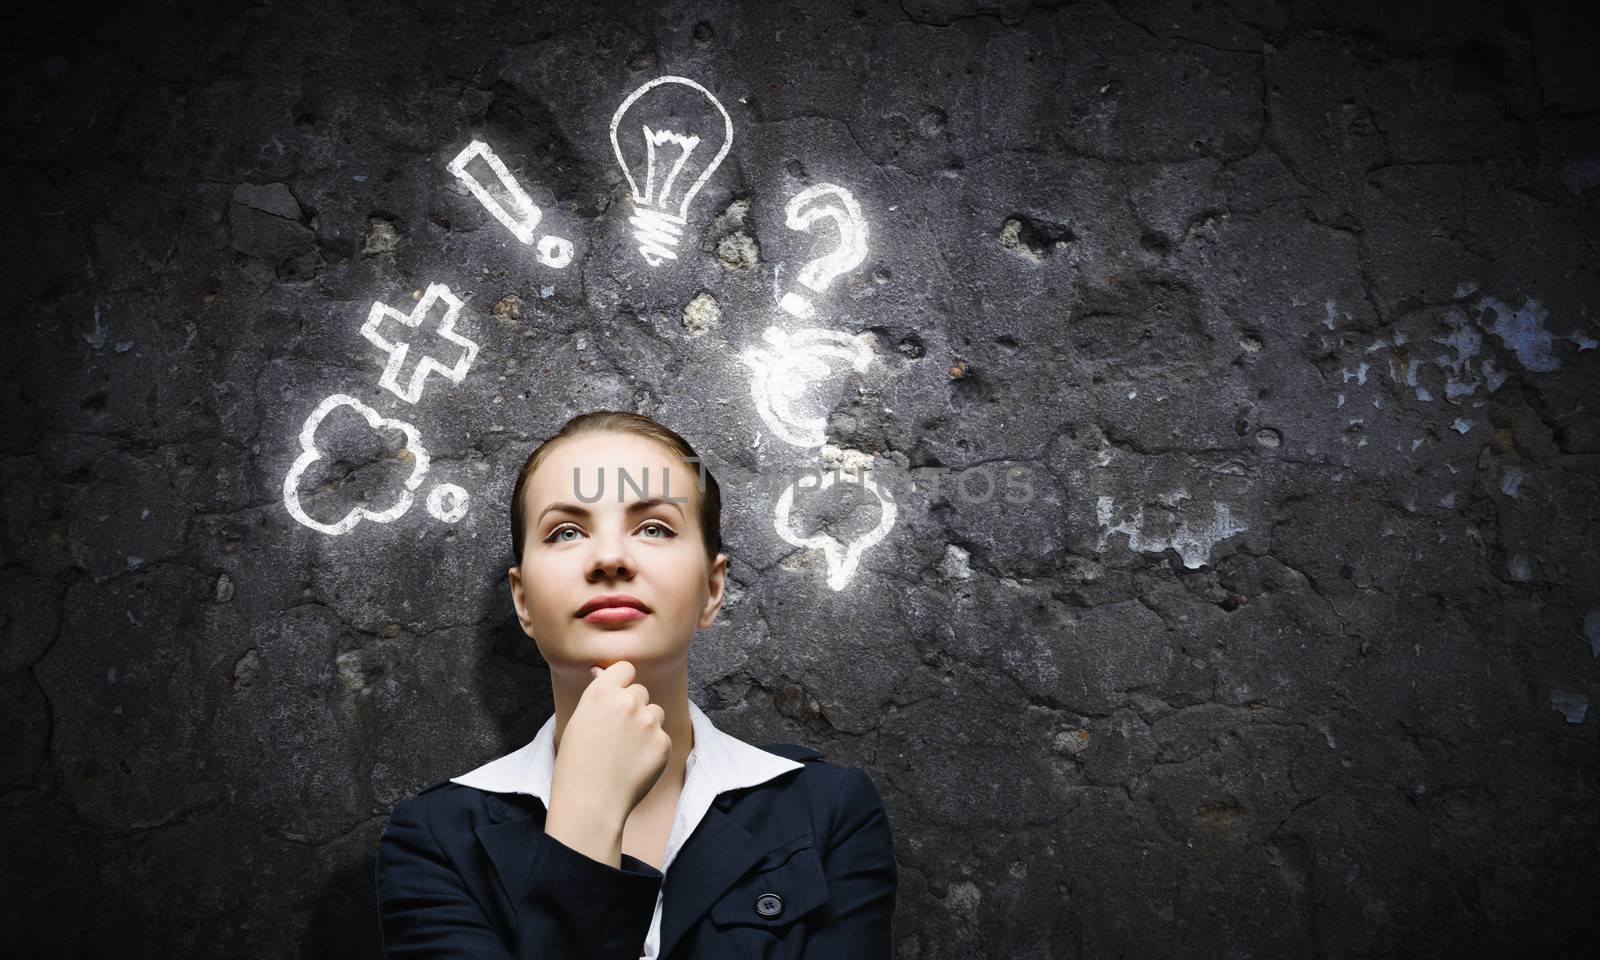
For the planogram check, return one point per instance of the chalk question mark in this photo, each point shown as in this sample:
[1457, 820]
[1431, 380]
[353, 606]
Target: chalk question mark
[831, 201]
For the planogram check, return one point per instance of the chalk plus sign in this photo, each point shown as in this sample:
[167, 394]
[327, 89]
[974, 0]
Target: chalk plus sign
[413, 332]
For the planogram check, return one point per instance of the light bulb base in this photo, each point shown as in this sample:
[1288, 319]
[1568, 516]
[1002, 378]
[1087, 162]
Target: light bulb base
[657, 232]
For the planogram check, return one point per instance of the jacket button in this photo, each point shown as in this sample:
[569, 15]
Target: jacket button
[769, 904]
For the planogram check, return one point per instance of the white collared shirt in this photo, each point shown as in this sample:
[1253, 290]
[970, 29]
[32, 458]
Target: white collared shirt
[717, 763]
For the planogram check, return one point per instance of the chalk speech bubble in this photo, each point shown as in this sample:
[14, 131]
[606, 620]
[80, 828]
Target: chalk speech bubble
[842, 557]
[309, 454]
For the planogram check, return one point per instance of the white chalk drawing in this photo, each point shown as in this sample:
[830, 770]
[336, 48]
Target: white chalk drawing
[525, 218]
[1194, 544]
[781, 374]
[831, 202]
[522, 221]
[797, 305]
[555, 251]
[400, 350]
[842, 558]
[309, 455]
[447, 502]
[669, 160]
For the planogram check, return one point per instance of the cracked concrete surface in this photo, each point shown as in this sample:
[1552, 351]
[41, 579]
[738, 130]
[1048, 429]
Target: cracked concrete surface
[1289, 307]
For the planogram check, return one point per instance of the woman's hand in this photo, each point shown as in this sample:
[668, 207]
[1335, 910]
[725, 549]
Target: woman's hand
[611, 753]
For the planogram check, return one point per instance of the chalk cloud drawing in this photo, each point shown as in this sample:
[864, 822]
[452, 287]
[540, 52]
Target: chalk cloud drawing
[447, 501]
[842, 557]
[309, 455]
[400, 350]
[669, 159]
[825, 201]
[1194, 544]
[523, 216]
[781, 374]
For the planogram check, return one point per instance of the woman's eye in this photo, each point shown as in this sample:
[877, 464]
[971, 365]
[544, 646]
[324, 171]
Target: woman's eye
[663, 533]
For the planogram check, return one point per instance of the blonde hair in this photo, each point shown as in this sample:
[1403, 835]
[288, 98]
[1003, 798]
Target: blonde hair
[618, 421]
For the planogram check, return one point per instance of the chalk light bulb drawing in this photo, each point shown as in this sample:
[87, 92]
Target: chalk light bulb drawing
[673, 164]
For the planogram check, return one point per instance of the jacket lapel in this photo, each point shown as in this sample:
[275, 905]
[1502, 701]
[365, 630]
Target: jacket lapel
[512, 832]
[715, 856]
[718, 853]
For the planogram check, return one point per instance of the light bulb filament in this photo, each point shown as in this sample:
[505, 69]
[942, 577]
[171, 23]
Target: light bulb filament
[653, 139]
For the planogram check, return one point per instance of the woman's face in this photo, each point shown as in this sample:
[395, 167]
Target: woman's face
[575, 551]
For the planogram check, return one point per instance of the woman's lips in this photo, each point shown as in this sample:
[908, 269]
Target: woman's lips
[613, 614]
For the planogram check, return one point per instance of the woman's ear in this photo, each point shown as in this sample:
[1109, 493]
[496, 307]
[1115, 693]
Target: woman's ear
[718, 579]
[519, 599]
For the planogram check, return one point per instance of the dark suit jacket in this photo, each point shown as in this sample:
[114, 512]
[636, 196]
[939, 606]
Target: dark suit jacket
[464, 872]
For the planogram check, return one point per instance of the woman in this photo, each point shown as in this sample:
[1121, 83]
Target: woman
[630, 826]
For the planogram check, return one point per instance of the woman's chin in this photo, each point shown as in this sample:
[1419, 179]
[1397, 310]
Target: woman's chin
[605, 647]
[616, 644]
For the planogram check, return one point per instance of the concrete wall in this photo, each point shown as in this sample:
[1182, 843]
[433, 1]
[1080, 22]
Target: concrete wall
[1285, 310]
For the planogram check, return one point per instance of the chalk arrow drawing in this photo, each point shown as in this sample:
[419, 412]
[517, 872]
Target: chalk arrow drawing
[400, 350]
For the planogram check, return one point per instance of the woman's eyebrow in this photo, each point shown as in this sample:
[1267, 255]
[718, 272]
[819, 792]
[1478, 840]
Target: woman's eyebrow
[637, 506]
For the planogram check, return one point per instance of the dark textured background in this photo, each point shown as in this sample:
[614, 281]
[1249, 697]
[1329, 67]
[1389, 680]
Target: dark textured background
[1282, 660]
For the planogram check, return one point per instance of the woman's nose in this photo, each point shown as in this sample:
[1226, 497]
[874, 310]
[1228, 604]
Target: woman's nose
[610, 557]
